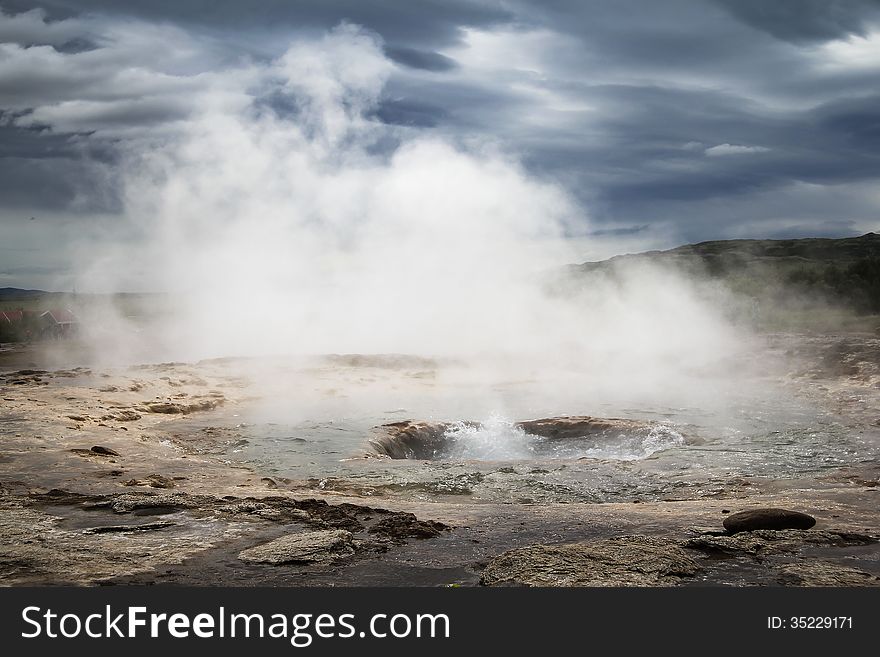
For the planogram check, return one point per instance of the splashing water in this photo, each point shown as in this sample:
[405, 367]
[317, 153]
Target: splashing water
[635, 446]
[499, 439]
[496, 439]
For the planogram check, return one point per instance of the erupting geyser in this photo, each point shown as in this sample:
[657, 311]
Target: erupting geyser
[548, 438]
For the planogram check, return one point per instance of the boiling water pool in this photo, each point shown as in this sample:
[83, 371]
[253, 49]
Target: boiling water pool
[318, 437]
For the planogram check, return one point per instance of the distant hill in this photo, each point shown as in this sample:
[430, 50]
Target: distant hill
[787, 279]
[13, 293]
[721, 256]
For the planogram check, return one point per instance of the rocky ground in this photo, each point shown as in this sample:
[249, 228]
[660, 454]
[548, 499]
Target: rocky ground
[94, 490]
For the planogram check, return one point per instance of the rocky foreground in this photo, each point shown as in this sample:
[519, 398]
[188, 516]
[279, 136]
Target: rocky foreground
[95, 490]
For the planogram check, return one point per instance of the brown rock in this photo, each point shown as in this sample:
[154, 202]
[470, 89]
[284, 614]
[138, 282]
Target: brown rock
[305, 547]
[405, 525]
[767, 518]
[153, 481]
[621, 561]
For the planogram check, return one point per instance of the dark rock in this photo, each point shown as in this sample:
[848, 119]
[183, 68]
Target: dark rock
[329, 515]
[405, 525]
[104, 451]
[97, 450]
[306, 547]
[128, 529]
[61, 496]
[767, 518]
[622, 561]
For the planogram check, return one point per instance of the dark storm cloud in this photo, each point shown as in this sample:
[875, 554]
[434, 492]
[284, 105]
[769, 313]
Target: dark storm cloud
[31, 142]
[426, 22]
[706, 118]
[30, 186]
[410, 113]
[40, 170]
[804, 20]
[422, 59]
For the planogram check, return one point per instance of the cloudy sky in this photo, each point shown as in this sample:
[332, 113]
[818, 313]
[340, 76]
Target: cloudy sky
[666, 121]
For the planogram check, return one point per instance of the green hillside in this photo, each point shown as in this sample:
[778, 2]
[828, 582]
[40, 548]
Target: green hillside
[797, 283]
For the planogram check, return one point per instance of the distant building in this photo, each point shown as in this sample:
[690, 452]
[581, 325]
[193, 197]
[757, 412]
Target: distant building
[11, 317]
[12, 326]
[58, 323]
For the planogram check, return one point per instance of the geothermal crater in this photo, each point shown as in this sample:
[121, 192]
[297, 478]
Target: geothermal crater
[548, 438]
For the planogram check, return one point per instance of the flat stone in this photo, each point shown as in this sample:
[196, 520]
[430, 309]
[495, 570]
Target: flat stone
[622, 561]
[123, 416]
[818, 573]
[766, 541]
[306, 547]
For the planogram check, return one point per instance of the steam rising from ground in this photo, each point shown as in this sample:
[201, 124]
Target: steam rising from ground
[297, 223]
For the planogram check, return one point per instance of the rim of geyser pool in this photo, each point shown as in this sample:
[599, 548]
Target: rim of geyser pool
[549, 439]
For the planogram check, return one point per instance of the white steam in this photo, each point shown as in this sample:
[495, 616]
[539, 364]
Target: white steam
[299, 223]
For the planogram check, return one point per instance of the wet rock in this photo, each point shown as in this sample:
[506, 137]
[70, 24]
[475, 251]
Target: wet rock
[337, 516]
[128, 529]
[818, 573]
[210, 440]
[275, 512]
[306, 547]
[623, 561]
[153, 481]
[155, 503]
[61, 496]
[412, 440]
[405, 525]
[767, 541]
[582, 426]
[767, 518]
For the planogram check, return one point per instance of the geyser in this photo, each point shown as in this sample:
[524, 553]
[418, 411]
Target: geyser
[548, 438]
